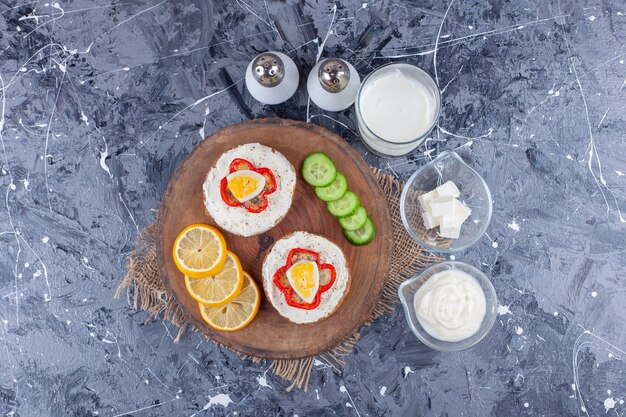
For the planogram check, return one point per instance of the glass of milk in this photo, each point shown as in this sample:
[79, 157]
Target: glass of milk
[397, 107]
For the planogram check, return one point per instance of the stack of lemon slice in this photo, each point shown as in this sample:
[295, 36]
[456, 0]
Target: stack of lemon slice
[227, 296]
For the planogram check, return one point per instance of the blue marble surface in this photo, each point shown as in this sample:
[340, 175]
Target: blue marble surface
[100, 101]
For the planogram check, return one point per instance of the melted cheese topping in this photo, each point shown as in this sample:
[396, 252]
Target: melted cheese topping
[237, 219]
[329, 253]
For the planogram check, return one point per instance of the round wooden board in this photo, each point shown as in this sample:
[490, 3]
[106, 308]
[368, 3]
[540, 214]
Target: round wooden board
[269, 335]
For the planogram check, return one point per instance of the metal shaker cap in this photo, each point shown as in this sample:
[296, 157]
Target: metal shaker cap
[268, 69]
[333, 75]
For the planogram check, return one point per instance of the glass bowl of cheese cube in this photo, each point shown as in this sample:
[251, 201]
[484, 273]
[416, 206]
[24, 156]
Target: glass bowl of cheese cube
[446, 205]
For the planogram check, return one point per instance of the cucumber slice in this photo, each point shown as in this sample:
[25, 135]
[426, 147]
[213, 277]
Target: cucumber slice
[335, 190]
[354, 221]
[345, 206]
[318, 170]
[362, 236]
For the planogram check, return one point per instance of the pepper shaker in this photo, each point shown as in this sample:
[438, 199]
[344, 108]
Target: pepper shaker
[272, 77]
[333, 84]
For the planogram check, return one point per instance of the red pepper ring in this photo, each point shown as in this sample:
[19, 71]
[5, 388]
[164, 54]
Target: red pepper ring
[302, 254]
[257, 204]
[239, 164]
[260, 202]
[282, 282]
[270, 181]
[331, 281]
[227, 196]
[289, 297]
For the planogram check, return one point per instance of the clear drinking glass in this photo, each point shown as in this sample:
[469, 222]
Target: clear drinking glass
[383, 146]
[448, 166]
[408, 289]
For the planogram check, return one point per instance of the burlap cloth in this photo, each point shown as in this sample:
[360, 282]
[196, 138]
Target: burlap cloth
[147, 292]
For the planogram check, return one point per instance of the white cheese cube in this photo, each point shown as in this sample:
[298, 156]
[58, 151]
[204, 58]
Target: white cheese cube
[451, 232]
[448, 189]
[450, 227]
[430, 221]
[426, 199]
[450, 221]
[442, 206]
[461, 210]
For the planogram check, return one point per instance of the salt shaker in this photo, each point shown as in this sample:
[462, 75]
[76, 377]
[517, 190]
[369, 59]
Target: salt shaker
[333, 84]
[272, 77]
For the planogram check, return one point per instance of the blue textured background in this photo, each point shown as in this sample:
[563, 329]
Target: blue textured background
[101, 101]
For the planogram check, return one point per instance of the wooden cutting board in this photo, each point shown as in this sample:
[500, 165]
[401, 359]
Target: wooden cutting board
[270, 335]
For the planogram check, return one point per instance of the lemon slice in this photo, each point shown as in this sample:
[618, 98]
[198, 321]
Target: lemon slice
[220, 288]
[238, 313]
[199, 251]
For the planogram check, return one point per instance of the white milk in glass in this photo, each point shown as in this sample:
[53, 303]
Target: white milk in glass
[397, 107]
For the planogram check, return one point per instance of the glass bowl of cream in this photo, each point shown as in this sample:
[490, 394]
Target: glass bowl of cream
[474, 194]
[450, 306]
[397, 106]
